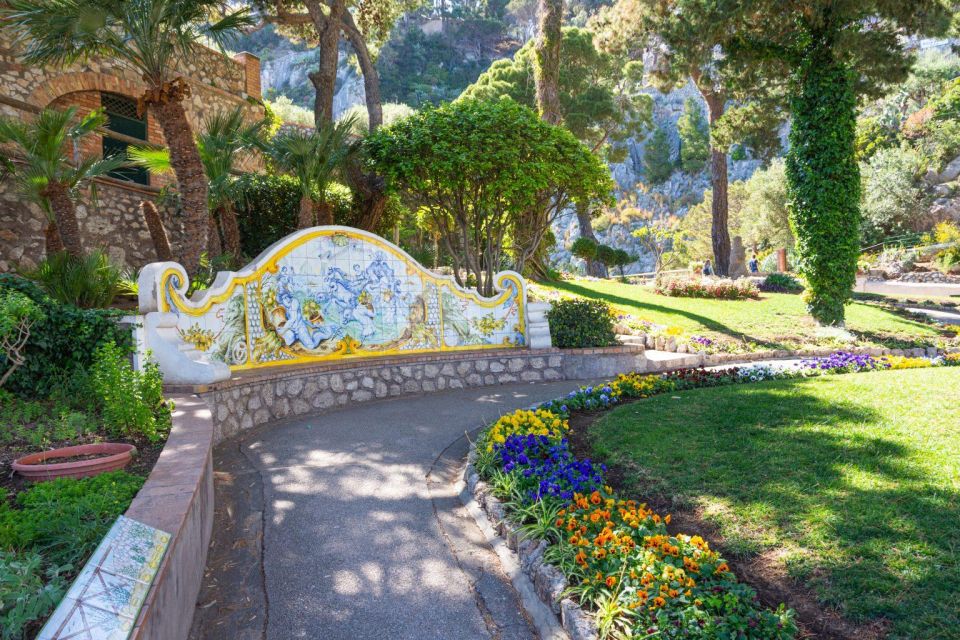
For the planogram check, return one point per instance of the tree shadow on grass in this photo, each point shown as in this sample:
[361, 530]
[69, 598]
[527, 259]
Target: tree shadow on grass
[706, 321]
[875, 536]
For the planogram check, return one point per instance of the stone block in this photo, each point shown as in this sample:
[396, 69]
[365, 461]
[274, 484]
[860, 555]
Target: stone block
[576, 622]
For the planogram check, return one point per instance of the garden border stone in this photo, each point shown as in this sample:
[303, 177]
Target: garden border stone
[526, 557]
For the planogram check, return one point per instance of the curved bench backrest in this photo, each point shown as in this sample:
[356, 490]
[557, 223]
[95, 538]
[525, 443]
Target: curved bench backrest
[327, 293]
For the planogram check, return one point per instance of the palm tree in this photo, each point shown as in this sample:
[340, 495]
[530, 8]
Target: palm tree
[150, 37]
[314, 157]
[48, 178]
[225, 136]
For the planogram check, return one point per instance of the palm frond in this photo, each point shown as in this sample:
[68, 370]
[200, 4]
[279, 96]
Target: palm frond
[88, 124]
[156, 161]
[91, 168]
[225, 30]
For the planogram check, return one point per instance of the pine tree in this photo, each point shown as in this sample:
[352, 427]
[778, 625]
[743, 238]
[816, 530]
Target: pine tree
[694, 137]
[657, 160]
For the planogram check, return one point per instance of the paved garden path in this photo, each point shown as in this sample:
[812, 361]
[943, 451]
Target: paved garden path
[347, 525]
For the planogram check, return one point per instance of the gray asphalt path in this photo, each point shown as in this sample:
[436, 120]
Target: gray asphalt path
[355, 540]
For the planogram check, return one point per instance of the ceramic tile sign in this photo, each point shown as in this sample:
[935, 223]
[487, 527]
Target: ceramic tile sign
[330, 293]
[104, 601]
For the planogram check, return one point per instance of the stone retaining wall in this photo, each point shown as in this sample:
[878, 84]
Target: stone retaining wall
[254, 398]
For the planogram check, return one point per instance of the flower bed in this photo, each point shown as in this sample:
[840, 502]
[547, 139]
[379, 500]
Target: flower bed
[715, 289]
[71, 383]
[619, 560]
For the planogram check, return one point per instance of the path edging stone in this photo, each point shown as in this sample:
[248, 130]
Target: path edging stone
[541, 585]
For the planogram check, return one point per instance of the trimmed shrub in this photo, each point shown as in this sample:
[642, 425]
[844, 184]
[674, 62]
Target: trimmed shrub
[62, 344]
[781, 283]
[268, 205]
[581, 323]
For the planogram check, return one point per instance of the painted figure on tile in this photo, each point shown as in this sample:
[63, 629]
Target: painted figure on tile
[341, 293]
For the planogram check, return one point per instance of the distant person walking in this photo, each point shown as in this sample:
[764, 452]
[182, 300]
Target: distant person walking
[707, 268]
[754, 264]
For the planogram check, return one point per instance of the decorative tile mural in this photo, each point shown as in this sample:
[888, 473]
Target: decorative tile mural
[335, 292]
[104, 601]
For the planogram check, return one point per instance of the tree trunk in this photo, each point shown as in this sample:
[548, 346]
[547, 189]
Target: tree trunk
[324, 79]
[65, 214]
[191, 179]
[231, 230]
[306, 217]
[51, 236]
[594, 267]
[214, 247]
[371, 78]
[547, 66]
[369, 189]
[720, 233]
[324, 213]
[158, 233]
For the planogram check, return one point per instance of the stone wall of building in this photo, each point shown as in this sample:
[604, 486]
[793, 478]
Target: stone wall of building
[112, 222]
[217, 83]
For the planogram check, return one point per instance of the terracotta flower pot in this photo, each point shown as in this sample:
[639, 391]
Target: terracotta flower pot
[42, 466]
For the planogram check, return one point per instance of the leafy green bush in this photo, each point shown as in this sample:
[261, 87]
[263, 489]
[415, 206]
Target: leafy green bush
[131, 402]
[268, 206]
[781, 283]
[584, 248]
[581, 323]
[62, 344]
[892, 203]
[92, 281]
[66, 518]
[28, 593]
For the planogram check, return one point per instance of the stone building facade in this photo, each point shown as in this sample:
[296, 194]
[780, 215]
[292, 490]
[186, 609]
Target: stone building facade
[112, 221]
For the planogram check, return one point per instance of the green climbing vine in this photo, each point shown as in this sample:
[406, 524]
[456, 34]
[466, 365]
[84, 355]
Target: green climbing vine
[823, 182]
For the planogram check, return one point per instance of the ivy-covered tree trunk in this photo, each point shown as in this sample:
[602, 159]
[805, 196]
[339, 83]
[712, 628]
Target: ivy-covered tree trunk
[719, 209]
[547, 67]
[823, 181]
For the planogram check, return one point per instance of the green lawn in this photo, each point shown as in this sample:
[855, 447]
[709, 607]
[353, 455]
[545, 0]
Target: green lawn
[778, 321]
[852, 481]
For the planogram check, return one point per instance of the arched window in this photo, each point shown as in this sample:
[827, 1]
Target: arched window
[122, 118]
